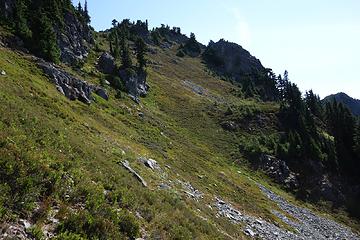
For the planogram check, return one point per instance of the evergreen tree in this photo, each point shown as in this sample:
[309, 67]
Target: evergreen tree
[111, 46]
[86, 13]
[292, 108]
[281, 84]
[357, 141]
[45, 39]
[286, 76]
[192, 47]
[116, 47]
[248, 87]
[114, 40]
[314, 104]
[140, 53]
[114, 23]
[79, 8]
[155, 36]
[125, 54]
[21, 22]
[341, 124]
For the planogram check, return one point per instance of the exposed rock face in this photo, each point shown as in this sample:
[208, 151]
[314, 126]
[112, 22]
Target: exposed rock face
[278, 170]
[71, 87]
[135, 83]
[329, 191]
[231, 59]
[318, 185]
[7, 8]
[74, 39]
[106, 63]
[232, 62]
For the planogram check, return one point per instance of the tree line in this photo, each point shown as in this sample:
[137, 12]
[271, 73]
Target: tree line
[38, 21]
[119, 39]
[317, 131]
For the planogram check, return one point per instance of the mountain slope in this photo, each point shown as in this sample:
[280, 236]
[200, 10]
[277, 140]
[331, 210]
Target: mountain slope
[351, 103]
[81, 147]
[68, 155]
[106, 146]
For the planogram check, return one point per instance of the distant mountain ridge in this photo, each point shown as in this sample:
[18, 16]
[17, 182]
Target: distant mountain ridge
[352, 103]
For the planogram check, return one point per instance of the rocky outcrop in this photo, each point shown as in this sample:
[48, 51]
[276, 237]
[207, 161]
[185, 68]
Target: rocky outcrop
[278, 170]
[106, 63]
[7, 8]
[74, 39]
[231, 59]
[233, 63]
[70, 86]
[74, 36]
[318, 185]
[135, 83]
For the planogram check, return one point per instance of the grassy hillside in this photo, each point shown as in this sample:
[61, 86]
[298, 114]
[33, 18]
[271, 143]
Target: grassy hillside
[64, 156]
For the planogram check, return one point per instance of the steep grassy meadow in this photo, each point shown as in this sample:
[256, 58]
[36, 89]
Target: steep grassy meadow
[63, 155]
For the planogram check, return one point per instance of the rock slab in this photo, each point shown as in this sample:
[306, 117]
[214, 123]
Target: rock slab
[70, 86]
[106, 63]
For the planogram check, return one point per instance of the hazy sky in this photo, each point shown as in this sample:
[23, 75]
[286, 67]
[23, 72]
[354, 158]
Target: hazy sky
[317, 41]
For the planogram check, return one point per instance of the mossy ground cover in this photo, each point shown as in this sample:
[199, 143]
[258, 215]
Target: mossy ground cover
[55, 152]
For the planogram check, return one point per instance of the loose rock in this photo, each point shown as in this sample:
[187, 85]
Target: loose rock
[191, 191]
[310, 225]
[126, 165]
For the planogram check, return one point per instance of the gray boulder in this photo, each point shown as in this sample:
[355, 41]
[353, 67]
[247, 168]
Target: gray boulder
[126, 165]
[135, 83]
[73, 88]
[150, 163]
[102, 93]
[106, 63]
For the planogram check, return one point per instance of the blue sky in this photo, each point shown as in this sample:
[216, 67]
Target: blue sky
[317, 41]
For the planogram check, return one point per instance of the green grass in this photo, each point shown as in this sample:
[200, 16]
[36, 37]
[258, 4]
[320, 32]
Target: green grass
[67, 154]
